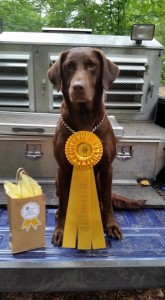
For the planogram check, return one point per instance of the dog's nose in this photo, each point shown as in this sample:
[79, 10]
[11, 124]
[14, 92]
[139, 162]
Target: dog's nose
[78, 86]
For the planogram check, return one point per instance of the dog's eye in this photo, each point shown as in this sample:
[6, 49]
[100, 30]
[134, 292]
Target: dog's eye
[92, 65]
[69, 66]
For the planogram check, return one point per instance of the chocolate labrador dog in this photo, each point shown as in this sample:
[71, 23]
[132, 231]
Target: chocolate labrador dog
[82, 74]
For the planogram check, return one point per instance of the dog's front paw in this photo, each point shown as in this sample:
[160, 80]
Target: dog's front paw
[57, 237]
[114, 230]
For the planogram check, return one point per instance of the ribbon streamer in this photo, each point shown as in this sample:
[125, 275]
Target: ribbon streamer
[28, 223]
[83, 225]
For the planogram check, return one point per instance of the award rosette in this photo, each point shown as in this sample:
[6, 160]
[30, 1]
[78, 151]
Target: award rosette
[83, 224]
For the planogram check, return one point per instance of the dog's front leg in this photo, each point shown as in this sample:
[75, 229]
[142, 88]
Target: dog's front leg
[112, 227]
[63, 186]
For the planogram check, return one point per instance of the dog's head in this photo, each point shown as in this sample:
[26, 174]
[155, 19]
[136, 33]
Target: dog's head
[80, 72]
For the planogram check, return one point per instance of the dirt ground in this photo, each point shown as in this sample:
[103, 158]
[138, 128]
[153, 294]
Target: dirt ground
[152, 294]
[162, 91]
[149, 294]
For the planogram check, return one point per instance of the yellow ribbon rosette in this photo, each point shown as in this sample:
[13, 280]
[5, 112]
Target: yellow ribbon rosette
[83, 224]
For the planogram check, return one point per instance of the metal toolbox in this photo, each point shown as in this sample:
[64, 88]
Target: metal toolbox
[140, 151]
[139, 147]
[30, 144]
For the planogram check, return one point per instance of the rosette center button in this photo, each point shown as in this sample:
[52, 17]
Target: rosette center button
[84, 149]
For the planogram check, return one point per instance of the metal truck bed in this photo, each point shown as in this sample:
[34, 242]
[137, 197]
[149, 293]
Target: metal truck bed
[137, 261]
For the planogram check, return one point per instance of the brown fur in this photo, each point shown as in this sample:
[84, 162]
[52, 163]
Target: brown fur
[82, 74]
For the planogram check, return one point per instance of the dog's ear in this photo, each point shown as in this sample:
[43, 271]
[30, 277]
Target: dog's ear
[110, 71]
[54, 73]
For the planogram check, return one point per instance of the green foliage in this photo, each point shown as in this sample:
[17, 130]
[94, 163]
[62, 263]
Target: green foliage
[104, 16]
[20, 15]
[152, 12]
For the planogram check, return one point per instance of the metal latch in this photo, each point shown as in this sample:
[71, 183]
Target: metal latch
[151, 88]
[33, 151]
[124, 153]
[43, 86]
